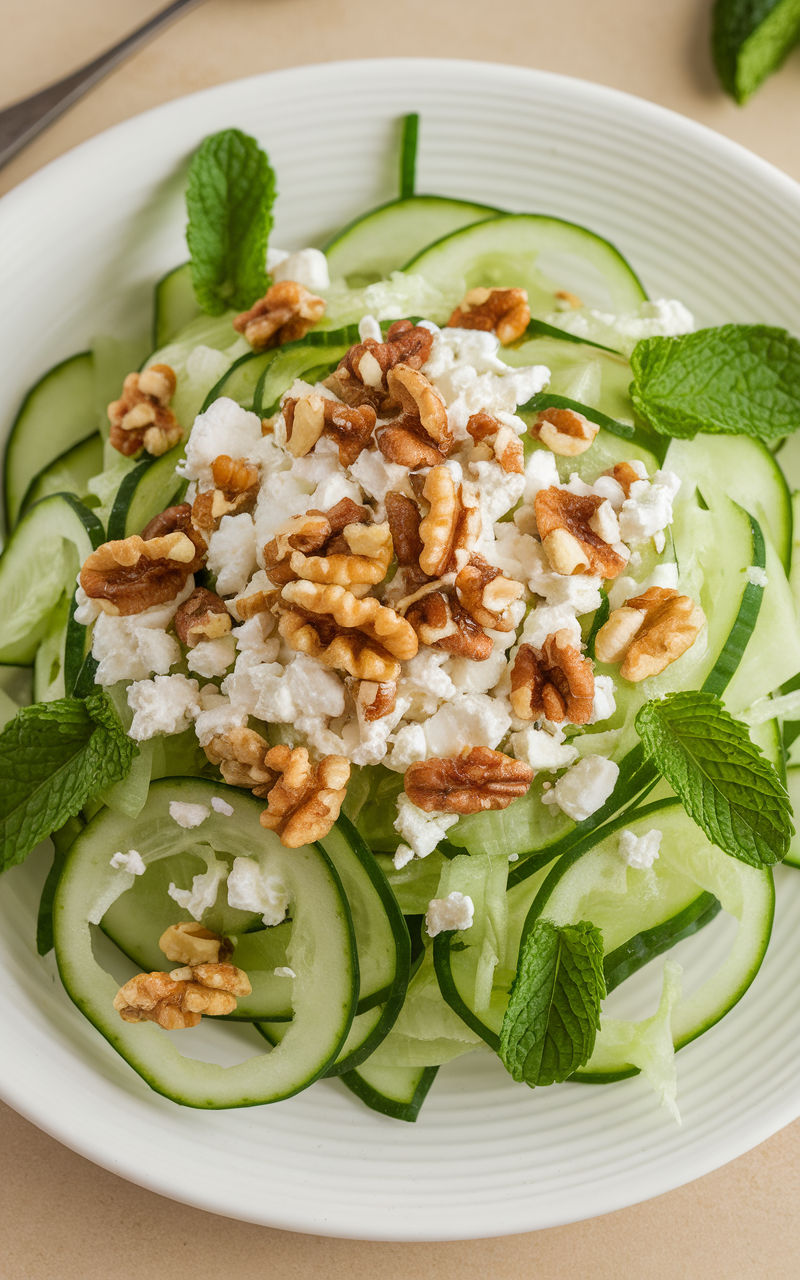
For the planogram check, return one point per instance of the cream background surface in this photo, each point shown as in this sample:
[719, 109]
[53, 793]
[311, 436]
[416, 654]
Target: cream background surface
[61, 1217]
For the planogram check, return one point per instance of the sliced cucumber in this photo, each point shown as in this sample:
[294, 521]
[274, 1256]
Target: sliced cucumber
[533, 252]
[747, 472]
[321, 949]
[175, 305]
[381, 241]
[56, 414]
[148, 489]
[398, 1092]
[39, 564]
[792, 858]
[68, 474]
[358, 1046]
[240, 381]
[48, 666]
[292, 361]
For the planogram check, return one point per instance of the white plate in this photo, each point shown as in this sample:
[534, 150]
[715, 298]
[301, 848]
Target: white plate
[700, 219]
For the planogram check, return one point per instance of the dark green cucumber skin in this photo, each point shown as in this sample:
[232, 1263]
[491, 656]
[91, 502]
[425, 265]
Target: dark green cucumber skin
[390, 1106]
[722, 673]
[444, 975]
[643, 947]
[396, 994]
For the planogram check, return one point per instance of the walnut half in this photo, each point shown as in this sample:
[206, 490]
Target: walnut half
[666, 626]
[305, 801]
[286, 312]
[141, 418]
[504, 312]
[177, 1000]
[555, 682]
[477, 780]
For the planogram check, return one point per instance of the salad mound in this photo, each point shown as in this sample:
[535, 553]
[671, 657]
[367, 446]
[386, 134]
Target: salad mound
[431, 665]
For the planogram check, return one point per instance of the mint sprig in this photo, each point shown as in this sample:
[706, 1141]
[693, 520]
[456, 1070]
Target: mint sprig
[739, 379]
[725, 784]
[553, 1015]
[53, 757]
[229, 201]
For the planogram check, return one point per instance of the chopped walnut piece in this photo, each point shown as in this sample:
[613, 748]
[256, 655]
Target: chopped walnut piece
[315, 531]
[240, 754]
[441, 622]
[487, 594]
[286, 312]
[570, 544]
[350, 427]
[449, 526]
[235, 491]
[564, 431]
[421, 437]
[374, 701]
[191, 943]
[128, 576]
[500, 440]
[555, 682]
[366, 560]
[360, 378]
[202, 617]
[304, 803]
[406, 447]
[669, 625]
[177, 1002]
[504, 312]
[625, 475]
[141, 419]
[477, 780]
[404, 520]
[359, 636]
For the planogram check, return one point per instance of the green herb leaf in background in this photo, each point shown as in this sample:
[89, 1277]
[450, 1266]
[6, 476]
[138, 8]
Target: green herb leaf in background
[229, 201]
[553, 1015]
[739, 379]
[750, 39]
[724, 782]
[53, 757]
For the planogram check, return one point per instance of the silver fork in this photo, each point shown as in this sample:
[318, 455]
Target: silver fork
[21, 122]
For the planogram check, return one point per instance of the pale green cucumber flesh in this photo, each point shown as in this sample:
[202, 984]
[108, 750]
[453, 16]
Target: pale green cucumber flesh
[147, 490]
[40, 563]
[175, 305]
[321, 950]
[69, 473]
[534, 252]
[56, 414]
[398, 1092]
[381, 241]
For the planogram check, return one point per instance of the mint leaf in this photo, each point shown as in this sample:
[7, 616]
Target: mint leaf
[53, 757]
[229, 202]
[750, 39]
[724, 782]
[551, 1022]
[740, 379]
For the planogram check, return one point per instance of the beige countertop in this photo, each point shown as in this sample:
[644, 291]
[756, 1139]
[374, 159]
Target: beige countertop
[61, 1217]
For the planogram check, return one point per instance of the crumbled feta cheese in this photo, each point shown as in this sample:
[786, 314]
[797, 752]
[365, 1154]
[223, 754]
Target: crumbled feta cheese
[541, 750]
[409, 745]
[456, 911]
[302, 688]
[403, 855]
[758, 577]
[425, 681]
[217, 716]
[221, 806]
[647, 510]
[523, 558]
[283, 971]
[203, 893]
[86, 609]
[275, 257]
[478, 677]
[251, 889]
[373, 735]
[541, 472]
[131, 861]
[212, 657]
[494, 490]
[308, 267]
[188, 815]
[252, 639]
[164, 705]
[585, 787]
[640, 852]
[467, 720]
[664, 575]
[604, 704]
[368, 327]
[225, 427]
[278, 500]
[377, 476]
[232, 553]
[513, 857]
[131, 647]
[421, 831]
[604, 523]
[464, 366]
[545, 620]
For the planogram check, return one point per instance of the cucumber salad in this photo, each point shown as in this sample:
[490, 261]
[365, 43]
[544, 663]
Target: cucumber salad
[405, 657]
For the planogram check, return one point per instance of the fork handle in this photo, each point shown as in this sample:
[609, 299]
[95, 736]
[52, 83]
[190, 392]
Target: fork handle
[21, 122]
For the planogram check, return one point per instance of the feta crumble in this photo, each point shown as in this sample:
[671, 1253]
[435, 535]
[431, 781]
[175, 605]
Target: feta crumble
[639, 852]
[221, 806]
[203, 893]
[283, 971]
[164, 705]
[421, 831]
[131, 861]
[252, 889]
[456, 911]
[188, 815]
[758, 577]
[585, 787]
